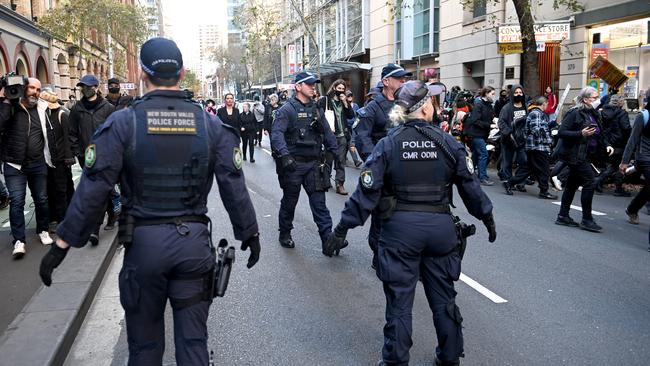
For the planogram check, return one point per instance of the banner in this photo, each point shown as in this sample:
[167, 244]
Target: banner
[508, 48]
[608, 72]
[553, 32]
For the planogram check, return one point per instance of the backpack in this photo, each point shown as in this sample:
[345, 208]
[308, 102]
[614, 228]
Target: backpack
[519, 132]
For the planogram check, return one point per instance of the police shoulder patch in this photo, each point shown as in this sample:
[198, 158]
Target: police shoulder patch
[366, 179]
[470, 164]
[237, 158]
[90, 156]
[362, 112]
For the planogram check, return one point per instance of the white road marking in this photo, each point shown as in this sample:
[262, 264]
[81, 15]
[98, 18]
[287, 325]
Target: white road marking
[252, 191]
[594, 212]
[482, 290]
[266, 151]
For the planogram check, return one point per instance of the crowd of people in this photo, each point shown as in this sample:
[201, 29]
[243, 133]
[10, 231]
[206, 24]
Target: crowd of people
[41, 139]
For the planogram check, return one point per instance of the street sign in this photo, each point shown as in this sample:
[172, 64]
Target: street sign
[508, 48]
[541, 46]
[543, 33]
[608, 72]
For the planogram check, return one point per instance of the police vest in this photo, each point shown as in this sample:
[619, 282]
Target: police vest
[381, 124]
[304, 133]
[169, 162]
[419, 171]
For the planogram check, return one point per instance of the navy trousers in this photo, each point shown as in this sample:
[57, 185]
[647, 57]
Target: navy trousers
[291, 182]
[162, 263]
[415, 244]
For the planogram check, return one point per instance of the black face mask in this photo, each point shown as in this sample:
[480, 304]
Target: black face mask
[518, 98]
[113, 90]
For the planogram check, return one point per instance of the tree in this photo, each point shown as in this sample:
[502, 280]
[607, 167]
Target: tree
[191, 82]
[75, 21]
[231, 66]
[262, 41]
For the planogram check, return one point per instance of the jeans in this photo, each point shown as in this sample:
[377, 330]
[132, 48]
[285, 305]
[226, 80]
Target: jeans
[480, 157]
[34, 175]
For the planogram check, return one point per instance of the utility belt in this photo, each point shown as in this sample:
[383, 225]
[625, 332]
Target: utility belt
[304, 159]
[389, 204]
[128, 224]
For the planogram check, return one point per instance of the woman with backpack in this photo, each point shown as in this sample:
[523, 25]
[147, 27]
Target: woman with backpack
[477, 126]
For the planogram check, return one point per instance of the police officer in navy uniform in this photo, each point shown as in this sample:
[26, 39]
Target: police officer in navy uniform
[409, 176]
[297, 138]
[165, 150]
[373, 126]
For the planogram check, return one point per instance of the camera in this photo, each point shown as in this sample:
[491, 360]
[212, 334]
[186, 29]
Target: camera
[13, 85]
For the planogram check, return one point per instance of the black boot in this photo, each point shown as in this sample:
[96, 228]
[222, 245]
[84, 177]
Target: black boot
[286, 241]
[590, 225]
[508, 188]
[546, 195]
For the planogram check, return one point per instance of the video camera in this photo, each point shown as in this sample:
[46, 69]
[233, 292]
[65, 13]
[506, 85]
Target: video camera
[13, 85]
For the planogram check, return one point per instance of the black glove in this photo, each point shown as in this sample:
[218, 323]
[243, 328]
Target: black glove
[336, 241]
[254, 244]
[69, 162]
[491, 228]
[288, 163]
[51, 260]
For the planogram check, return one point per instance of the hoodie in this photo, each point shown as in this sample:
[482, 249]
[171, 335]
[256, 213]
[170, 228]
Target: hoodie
[508, 122]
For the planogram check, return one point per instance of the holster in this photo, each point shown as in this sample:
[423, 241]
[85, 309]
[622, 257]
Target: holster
[463, 231]
[386, 207]
[322, 177]
[225, 259]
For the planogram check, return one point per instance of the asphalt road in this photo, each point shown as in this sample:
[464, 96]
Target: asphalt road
[552, 295]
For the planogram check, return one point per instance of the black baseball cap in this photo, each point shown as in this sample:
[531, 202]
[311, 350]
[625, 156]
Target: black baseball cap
[113, 81]
[160, 57]
[392, 70]
[305, 77]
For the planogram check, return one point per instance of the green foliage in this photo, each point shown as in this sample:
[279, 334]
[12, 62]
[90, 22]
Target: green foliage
[231, 65]
[75, 20]
[191, 82]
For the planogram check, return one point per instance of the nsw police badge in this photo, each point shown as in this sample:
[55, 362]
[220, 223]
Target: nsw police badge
[470, 164]
[366, 179]
[90, 156]
[237, 158]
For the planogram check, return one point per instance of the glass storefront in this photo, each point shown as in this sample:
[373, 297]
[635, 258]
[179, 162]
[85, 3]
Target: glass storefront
[626, 46]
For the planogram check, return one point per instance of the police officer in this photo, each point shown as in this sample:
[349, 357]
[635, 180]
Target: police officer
[298, 134]
[165, 150]
[373, 126]
[409, 176]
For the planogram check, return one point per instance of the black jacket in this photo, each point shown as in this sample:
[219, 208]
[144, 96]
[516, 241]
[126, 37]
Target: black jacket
[507, 115]
[61, 151]
[84, 123]
[248, 122]
[638, 144]
[573, 148]
[232, 120]
[616, 124]
[269, 116]
[479, 121]
[15, 123]
[122, 101]
[499, 104]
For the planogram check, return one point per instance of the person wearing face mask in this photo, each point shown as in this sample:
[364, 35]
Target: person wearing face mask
[85, 118]
[27, 148]
[477, 127]
[502, 101]
[408, 177]
[114, 97]
[581, 135]
[512, 121]
[374, 125]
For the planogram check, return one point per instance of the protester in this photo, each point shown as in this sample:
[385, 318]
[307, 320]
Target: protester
[616, 128]
[351, 124]
[269, 113]
[229, 113]
[210, 107]
[551, 104]
[512, 121]
[502, 101]
[114, 97]
[258, 110]
[477, 127]
[72, 99]
[581, 134]
[248, 131]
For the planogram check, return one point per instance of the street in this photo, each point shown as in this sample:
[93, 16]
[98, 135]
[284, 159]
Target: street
[542, 294]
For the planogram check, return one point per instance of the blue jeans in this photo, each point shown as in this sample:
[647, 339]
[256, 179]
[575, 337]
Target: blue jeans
[480, 157]
[34, 175]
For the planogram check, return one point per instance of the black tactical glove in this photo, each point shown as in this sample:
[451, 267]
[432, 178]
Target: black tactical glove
[288, 163]
[254, 244]
[491, 228]
[51, 260]
[336, 241]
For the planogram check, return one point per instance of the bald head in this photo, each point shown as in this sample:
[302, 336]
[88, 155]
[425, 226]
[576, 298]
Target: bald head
[35, 82]
[32, 92]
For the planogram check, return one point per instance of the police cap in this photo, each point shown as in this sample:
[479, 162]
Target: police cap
[305, 77]
[412, 95]
[395, 71]
[161, 58]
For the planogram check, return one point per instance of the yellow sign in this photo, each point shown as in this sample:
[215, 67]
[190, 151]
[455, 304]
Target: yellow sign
[508, 48]
[608, 72]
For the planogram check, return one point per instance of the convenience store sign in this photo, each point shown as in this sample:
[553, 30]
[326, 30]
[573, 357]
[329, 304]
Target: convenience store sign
[543, 33]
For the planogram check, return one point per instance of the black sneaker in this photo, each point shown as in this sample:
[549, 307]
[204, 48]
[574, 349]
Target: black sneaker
[547, 196]
[530, 182]
[590, 225]
[252, 160]
[94, 239]
[520, 187]
[508, 188]
[566, 221]
[286, 241]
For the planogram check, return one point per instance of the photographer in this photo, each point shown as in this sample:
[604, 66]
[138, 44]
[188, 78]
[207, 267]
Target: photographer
[27, 139]
[337, 111]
